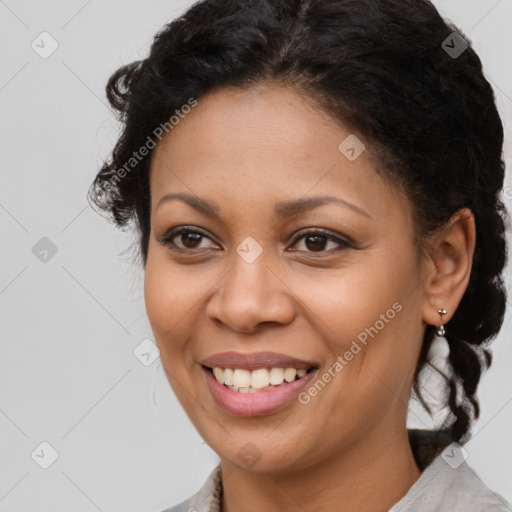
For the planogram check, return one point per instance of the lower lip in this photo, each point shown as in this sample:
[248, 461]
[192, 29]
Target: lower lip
[256, 404]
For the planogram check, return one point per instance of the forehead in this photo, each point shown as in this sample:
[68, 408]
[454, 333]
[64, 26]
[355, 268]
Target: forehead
[242, 146]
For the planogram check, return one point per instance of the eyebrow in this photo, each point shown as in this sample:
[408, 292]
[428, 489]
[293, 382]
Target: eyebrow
[282, 210]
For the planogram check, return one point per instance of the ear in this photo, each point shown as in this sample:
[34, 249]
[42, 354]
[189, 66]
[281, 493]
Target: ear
[448, 266]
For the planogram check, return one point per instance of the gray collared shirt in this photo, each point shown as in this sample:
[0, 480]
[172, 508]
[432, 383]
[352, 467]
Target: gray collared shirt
[447, 484]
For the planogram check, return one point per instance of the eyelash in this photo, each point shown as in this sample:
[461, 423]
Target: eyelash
[166, 239]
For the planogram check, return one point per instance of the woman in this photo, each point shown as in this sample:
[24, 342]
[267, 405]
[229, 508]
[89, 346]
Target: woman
[316, 187]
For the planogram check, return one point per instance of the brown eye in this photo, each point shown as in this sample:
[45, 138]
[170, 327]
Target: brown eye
[317, 241]
[183, 238]
[190, 240]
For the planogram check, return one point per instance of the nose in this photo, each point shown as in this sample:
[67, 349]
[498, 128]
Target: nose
[251, 294]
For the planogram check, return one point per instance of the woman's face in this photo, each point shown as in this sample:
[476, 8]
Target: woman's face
[259, 278]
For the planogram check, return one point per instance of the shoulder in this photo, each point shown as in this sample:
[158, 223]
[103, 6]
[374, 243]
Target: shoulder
[448, 483]
[206, 499]
[469, 489]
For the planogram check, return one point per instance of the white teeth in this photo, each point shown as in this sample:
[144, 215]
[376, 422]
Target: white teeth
[219, 373]
[289, 374]
[228, 377]
[241, 378]
[262, 379]
[276, 376]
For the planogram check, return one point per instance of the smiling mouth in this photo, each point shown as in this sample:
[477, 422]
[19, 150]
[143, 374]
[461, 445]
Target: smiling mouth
[258, 380]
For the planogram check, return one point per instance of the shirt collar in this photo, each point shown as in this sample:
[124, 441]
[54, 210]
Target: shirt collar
[426, 446]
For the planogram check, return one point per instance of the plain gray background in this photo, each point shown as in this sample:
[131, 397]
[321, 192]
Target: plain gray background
[70, 324]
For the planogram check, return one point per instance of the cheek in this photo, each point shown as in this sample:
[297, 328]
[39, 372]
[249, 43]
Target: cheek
[168, 302]
[346, 301]
[169, 290]
[175, 295]
[168, 299]
[162, 307]
[370, 317]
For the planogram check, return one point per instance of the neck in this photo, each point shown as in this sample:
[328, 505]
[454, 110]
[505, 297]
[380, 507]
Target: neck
[372, 475]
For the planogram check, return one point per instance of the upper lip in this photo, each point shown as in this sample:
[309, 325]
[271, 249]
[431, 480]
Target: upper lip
[255, 360]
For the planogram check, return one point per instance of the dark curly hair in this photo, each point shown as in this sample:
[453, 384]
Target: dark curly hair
[383, 69]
